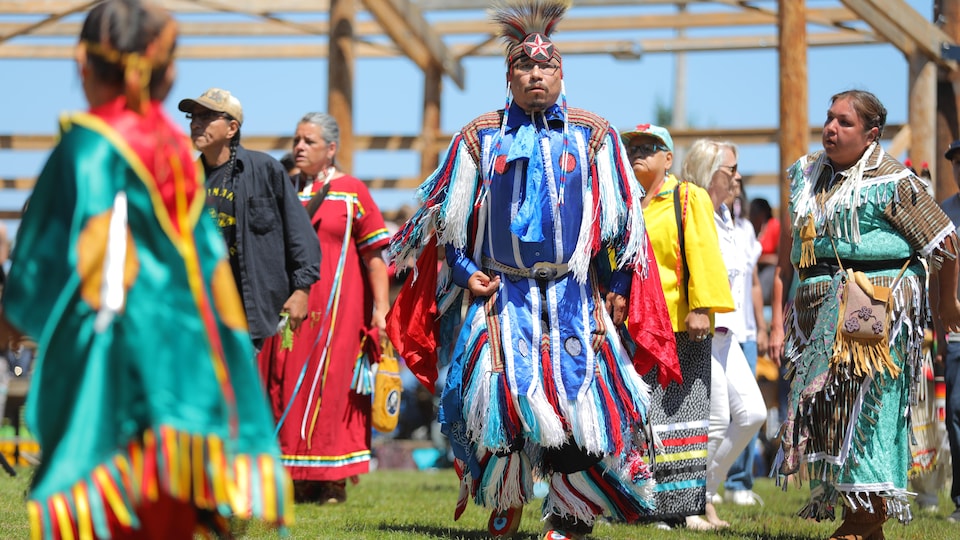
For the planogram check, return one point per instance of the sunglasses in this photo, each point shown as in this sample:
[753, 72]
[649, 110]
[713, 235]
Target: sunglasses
[646, 149]
[207, 116]
[731, 168]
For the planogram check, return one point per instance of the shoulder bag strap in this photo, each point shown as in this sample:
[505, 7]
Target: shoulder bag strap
[677, 210]
[317, 199]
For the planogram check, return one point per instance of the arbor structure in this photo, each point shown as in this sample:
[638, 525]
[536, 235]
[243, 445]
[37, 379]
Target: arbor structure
[436, 35]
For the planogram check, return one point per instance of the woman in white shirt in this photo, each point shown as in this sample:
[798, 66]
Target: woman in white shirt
[736, 405]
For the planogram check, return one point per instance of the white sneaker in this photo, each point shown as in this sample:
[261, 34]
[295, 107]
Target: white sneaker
[742, 497]
[715, 499]
[954, 517]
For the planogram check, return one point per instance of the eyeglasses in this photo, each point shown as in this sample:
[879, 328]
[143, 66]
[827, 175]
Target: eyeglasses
[646, 149]
[548, 68]
[733, 168]
[207, 116]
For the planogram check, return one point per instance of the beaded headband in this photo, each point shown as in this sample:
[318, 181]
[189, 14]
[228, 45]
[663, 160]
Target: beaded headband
[137, 67]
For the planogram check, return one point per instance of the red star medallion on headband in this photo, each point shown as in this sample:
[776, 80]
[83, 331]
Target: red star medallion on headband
[538, 47]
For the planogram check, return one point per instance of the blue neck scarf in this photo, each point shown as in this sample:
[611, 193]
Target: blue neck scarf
[527, 145]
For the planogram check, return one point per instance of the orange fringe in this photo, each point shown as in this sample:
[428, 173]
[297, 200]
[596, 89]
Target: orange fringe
[864, 356]
[189, 467]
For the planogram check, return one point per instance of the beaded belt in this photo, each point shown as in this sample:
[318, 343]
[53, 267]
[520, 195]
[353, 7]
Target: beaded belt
[540, 270]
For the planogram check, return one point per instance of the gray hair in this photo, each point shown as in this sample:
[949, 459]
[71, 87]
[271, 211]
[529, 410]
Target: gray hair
[329, 129]
[703, 159]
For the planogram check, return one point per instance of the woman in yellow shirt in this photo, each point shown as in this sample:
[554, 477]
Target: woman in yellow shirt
[695, 287]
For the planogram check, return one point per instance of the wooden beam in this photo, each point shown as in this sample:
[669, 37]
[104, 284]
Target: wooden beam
[296, 6]
[794, 116]
[773, 14]
[430, 130]
[34, 7]
[51, 19]
[378, 182]
[928, 36]
[293, 25]
[340, 70]
[883, 26]
[925, 37]
[403, 21]
[619, 48]
[430, 5]
[833, 17]
[900, 142]
[948, 104]
[17, 183]
[922, 112]
[362, 142]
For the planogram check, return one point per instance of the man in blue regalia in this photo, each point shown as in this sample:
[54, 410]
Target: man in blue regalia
[545, 259]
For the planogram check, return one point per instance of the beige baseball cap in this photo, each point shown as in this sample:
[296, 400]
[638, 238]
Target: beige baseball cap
[215, 99]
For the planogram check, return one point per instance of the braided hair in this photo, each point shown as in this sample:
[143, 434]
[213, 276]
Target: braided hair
[129, 44]
[232, 162]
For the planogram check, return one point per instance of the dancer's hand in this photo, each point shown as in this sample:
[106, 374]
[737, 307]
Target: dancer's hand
[481, 285]
[296, 308]
[617, 307]
[698, 324]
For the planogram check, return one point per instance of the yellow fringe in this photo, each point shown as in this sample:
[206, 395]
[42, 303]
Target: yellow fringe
[188, 467]
[867, 356]
[808, 233]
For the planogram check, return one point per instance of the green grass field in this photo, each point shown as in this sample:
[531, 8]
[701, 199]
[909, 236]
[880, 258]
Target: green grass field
[418, 505]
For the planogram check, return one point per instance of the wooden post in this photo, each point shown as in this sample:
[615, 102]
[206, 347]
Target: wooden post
[432, 90]
[922, 112]
[340, 64]
[794, 121]
[679, 118]
[948, 103]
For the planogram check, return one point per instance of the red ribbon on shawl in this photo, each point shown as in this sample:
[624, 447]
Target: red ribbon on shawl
[649, 325]
[412, 321]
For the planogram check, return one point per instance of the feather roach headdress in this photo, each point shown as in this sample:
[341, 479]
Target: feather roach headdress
[525, 27]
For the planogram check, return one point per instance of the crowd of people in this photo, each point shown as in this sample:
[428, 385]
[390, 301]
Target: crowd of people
[558, 289]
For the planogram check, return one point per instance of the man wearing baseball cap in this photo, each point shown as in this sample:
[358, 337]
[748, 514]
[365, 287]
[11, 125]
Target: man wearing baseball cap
[274, 253]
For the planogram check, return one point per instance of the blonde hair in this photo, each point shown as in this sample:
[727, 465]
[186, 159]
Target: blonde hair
[703, 159]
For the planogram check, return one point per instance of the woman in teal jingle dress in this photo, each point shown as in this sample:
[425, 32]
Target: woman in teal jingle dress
[855, 207]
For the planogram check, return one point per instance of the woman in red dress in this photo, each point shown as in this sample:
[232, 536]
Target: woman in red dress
[324, 423]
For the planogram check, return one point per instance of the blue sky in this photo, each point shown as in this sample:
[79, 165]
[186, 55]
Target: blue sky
[724, 89]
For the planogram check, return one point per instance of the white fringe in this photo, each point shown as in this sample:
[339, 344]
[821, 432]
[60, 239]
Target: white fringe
[548, 423]
[459, 204]
[586, 428]
[512, 489]
[564, 503]
[475, 401]
[612, 207]
[579, 262]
